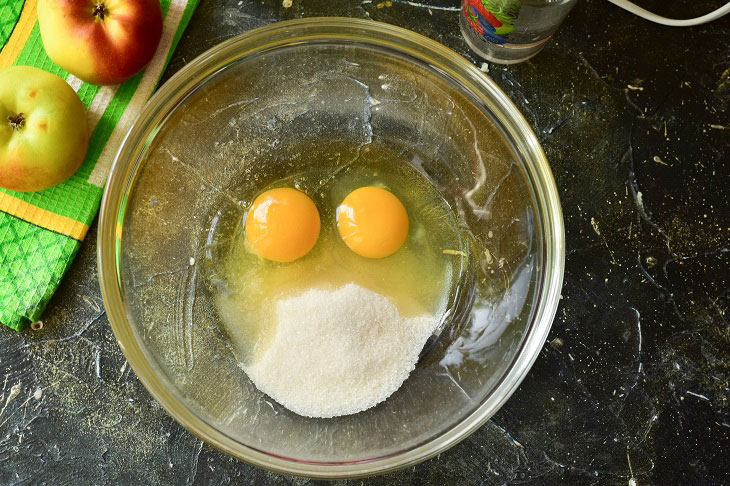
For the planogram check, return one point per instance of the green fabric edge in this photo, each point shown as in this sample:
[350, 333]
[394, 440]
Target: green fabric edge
[34, 262]
[9, 15]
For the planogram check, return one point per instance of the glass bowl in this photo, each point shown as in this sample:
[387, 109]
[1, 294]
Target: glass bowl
[329, 88]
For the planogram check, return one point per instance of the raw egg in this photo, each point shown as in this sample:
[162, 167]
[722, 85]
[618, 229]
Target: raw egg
[282, 225]
[372, 222]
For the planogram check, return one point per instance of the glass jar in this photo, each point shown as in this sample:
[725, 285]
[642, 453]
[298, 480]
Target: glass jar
[511, 31]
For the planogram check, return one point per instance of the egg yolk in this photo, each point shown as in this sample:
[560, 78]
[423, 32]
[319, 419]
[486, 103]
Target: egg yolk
[372, 222]
[282, 225]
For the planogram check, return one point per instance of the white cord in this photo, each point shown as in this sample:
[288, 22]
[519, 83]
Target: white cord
[643, 13]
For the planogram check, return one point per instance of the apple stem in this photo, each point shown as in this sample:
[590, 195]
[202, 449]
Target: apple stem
[16, 121]
[100, 11]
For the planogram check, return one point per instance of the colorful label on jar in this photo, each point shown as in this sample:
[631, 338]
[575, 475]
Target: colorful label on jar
[492, 19]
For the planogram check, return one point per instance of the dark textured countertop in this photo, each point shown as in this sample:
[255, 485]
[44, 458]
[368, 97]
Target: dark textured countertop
[633, 385]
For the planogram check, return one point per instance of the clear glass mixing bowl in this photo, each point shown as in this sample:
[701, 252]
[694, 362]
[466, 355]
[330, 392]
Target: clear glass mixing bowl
[226, 124]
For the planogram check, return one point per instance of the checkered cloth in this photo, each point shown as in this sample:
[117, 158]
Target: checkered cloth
[40, 232]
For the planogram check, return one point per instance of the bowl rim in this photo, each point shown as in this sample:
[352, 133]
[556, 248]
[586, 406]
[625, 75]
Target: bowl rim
[279, 34]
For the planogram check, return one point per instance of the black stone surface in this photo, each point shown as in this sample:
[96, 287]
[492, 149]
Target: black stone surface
[633, 386]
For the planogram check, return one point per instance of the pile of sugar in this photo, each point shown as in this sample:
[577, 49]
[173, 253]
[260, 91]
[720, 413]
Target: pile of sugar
[339, 352]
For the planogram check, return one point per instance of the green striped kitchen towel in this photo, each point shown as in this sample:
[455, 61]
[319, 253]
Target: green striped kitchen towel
[40, 232]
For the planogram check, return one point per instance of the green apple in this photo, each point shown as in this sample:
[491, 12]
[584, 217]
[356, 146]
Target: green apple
[43, 129]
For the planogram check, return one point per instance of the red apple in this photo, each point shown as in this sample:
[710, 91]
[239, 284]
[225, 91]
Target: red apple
[100, 41]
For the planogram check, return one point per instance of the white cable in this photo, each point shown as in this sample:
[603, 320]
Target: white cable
[643, 13]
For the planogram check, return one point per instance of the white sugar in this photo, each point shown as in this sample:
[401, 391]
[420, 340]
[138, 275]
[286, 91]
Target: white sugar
[339, 352]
